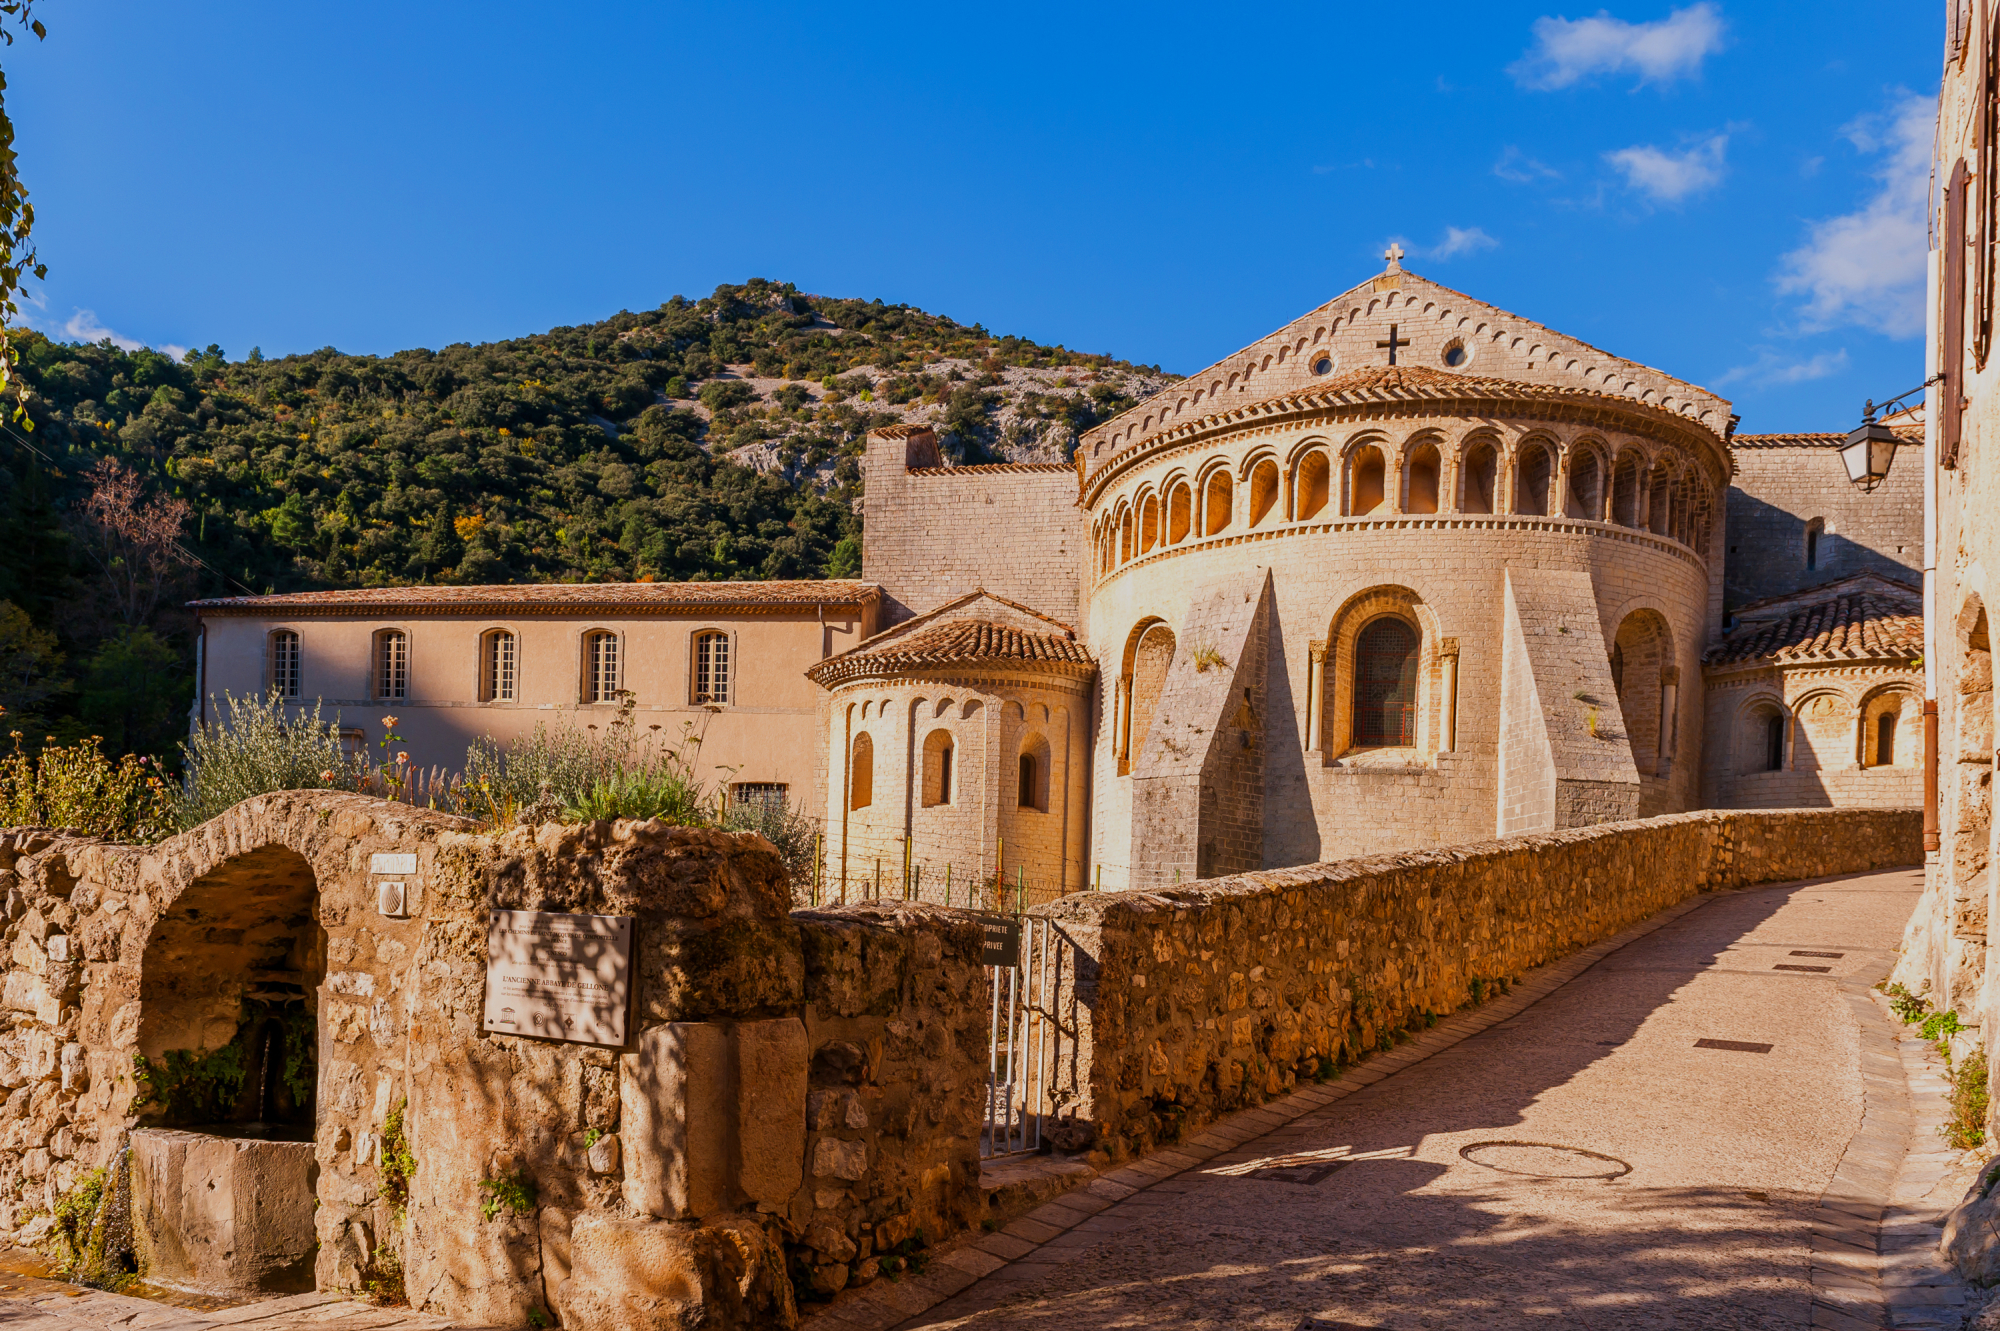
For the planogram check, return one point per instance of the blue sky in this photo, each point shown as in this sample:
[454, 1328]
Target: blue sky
[1733, 193]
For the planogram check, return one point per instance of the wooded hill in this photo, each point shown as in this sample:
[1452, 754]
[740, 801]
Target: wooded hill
[706, 439]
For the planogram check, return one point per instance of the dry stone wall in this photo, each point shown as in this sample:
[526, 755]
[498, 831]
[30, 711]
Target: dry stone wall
[1183, 1003]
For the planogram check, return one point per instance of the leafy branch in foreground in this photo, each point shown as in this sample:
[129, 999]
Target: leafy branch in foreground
[17, 222]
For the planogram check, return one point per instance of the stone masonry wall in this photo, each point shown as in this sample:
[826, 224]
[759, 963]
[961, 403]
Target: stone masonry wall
[795, 1095]
[1777, 491]
[936, 532]
[1182, 1003]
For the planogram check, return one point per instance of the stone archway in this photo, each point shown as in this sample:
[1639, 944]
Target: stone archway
[228, 1000]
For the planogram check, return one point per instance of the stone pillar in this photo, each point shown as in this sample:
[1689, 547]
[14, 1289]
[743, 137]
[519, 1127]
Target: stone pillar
[1448, 712]
[1316, 696]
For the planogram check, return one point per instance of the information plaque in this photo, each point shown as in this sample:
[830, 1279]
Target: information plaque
[558, 976]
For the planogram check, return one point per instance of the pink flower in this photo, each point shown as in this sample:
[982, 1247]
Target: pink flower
[402, 757]
[327, 775]
[389, 721]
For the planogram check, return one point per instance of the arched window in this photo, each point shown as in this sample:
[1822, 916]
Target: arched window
[600, 666]
[1364, 481]
[1815, 530]
[497, 654]
[1885, 740]
[1125, 536]
[1149, 523]
[711, 668]
[1420, 484]
[1658, 501]
[1531, 481]
[1625, 490]
[861, 773]
[285, 663]
[938, 753]
[1217, 496]
[1263, 491]
[392, 665]
[1147, 660]
[1586, 496]
[1774, 742]
[1032, 792]
[1482, 465]
[1310, 488]
[1180, 514]
[1385, 684]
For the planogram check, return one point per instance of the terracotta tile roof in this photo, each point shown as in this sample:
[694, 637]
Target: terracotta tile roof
[1865, 617]
[1377, 384]
[1907, 434]
[630, 596]
[992, 469]
[951, 642]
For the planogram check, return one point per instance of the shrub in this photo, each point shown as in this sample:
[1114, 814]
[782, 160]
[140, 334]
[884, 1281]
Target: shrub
[794, 835]
[667, 793]
[722, 394]
[78, 788]
[253, 748]
[1966, 1128]
[589, 774]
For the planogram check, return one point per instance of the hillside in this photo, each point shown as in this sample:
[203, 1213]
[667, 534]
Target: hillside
[712, 438]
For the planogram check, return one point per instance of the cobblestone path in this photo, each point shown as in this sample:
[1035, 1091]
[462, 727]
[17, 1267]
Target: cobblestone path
[1587, 1163]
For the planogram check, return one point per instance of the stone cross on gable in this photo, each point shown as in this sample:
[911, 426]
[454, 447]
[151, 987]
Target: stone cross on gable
[1394, 254]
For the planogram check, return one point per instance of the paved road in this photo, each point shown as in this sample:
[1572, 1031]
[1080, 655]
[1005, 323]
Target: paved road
[1370, 1213]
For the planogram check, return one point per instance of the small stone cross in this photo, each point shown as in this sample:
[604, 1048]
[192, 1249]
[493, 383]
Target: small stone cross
[1394, 254]
[1393, 343]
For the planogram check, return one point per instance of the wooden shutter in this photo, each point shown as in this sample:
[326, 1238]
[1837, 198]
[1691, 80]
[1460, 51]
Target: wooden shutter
[1952, 354]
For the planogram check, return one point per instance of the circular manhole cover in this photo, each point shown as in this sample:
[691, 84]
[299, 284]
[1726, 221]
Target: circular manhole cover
[1543, 1160]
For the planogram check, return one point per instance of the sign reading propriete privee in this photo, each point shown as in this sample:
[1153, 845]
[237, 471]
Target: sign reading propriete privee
[558, 976]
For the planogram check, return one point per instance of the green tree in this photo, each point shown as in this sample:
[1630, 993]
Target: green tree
[17, 221]
[135, 693]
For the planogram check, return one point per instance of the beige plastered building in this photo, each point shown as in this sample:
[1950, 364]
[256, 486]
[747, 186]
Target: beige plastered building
[1409, 571]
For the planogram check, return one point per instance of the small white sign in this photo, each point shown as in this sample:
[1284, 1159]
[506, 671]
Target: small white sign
[558, 976]
[392, 864]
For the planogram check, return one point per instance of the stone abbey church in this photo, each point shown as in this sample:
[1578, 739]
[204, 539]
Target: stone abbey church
[1409, 571]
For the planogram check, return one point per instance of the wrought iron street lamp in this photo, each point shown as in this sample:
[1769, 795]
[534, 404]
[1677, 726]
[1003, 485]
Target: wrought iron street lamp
[1871, 446]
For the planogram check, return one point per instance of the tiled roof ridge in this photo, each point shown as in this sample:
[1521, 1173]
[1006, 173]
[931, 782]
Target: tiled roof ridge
[1367, 284]
[1856, 622]
[991, 468]
[1909, 435]
[955, 642]
[788, 591]
[1827, 590]
[1400, 383]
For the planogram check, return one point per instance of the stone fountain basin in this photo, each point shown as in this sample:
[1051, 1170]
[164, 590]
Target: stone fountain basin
[223, 1214]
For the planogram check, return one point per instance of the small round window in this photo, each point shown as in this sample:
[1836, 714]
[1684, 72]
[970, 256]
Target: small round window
[1323, 365]
[1456, 355]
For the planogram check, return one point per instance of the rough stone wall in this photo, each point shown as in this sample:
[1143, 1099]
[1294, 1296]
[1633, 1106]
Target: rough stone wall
[897, 1097]
[936, 532]
[673, 1176]
[1181, 1003]
[1777, 491]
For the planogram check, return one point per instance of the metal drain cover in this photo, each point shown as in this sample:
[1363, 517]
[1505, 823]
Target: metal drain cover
[1544, 1160]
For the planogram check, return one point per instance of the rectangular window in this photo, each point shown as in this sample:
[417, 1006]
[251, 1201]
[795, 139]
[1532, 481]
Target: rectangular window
[285, 664]
[769, 796]
[392, 666]
[711, 668]
[1027, 799]
[601, 669]
[498, 684]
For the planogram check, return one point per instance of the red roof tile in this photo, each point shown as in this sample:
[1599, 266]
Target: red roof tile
[957, 642]
[1865, 617]
[629, 596]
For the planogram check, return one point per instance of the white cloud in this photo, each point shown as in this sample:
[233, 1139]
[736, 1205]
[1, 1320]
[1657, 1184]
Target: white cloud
[84, 326]
[1867, 266]
[1567, 51]
[1773, 368]
[172, 349]
[1516, 166]
[1462, 240]
[1669, 177]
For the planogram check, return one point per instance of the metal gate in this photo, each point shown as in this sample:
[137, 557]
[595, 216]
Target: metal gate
[1021, 1040]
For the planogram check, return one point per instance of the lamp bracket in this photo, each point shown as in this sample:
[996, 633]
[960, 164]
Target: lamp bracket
[1868, 412]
